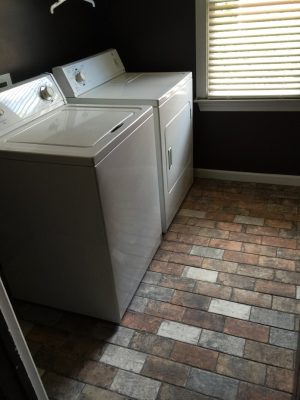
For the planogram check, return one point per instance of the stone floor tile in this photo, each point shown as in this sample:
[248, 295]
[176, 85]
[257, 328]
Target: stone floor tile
[249, 391]
[181, 332]
[155, 292]
[288, 254]
[277, 223]
[242, 219]
[191, 300]
[276, 263]
[279, 242]
[191, 213]
[166, 268]
[165, 370]
[61, 388]
[165, 310]
[225, 244]
[259, 249]
[246, 329]
[188, 238]
[186, 259]
[138, 304]
[58, 362]
[96, 373]
[239, 368]
[269, 354]
[284, 338]
[212, 384]
[151, 277]
[152, 344]
[195, 356]
[288, 277]
[204, 319]
[220, 265]
[177, 282]
[76, 324]
[286, 305]
[142, 322]
[122, 336]
[245, 237]
[251, 298]
[238, 281]
[277, 288]
[213, 290]
[222, 342]
[176, 247]
[262, 230]
[280, 379]
[230, 309]
[136, 386]
[170, 392]
[208, 252]
[241, 258]
[228, 226]
[272, 318]
[95, 393]
[200, 274]
[120, 357]
[47, 335]
[83, 347]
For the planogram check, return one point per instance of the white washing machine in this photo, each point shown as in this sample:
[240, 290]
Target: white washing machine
[102, 78]
[80, 214]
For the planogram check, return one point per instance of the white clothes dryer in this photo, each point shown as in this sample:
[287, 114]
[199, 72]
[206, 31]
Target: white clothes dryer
[79, 205]
[102, 78]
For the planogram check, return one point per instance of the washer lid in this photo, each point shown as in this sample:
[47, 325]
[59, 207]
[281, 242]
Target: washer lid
[73, 127]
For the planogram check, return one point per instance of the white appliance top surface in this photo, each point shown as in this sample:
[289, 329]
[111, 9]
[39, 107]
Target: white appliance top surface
[75, 127]
[147, 86]
[73, 133]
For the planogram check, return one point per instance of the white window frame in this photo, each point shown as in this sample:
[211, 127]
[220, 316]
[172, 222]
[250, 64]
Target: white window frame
[206, 104]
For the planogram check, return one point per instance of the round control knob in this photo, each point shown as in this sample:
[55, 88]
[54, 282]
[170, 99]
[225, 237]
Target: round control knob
[1, 112]
[47, 93]
[80, 77]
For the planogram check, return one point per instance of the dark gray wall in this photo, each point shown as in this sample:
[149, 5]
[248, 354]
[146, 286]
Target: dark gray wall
[150, 36]
[33, 41]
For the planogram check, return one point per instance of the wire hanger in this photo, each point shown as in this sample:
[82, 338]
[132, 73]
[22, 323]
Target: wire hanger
[59, 2]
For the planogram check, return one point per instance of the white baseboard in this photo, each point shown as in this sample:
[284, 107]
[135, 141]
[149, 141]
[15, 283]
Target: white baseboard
[292, 180]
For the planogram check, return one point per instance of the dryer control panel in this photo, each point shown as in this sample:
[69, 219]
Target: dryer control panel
[83, 75]
[28, 100]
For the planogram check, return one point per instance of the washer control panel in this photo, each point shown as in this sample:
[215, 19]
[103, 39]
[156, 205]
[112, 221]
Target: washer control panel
[83, 75]
[28, 100]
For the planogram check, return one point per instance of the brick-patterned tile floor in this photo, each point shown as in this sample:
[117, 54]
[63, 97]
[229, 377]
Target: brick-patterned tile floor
[214, 318]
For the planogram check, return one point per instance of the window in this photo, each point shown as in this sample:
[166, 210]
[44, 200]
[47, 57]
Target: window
[248, 54]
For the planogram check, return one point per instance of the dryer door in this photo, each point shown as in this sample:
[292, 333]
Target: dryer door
[178, 144]
[176, 128]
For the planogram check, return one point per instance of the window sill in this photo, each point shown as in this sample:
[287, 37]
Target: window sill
[249, 105]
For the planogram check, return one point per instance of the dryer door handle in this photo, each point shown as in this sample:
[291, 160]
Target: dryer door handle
[170, 161]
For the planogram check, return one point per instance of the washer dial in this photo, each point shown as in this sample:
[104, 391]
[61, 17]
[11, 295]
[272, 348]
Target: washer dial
[47, 93]
[80, 77]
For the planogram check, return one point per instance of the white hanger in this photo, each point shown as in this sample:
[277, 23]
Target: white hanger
[59, 2]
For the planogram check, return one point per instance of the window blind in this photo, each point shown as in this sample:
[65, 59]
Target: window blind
[253, 48]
